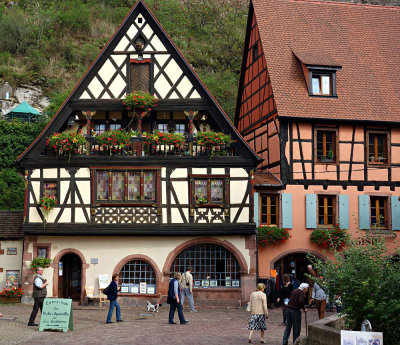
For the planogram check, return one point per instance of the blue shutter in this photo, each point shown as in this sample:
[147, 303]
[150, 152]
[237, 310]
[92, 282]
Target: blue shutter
[256, 209]
[311, 211]
[344, 212]
[363, 211]
[287, 219]
[395, 213]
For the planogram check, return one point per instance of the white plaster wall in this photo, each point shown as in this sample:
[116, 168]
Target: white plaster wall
[237, 191]
[239, 172]
[10, 262]
[111, 250]
[181, 189]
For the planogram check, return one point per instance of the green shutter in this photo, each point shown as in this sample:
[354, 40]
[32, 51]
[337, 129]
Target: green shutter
[311, 211]
[287, 218]
[256, 209]
[395, 203]
[363, 211]
[344, 211]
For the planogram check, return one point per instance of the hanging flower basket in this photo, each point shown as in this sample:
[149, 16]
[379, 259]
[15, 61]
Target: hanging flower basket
[114, 141]
[40, 262]
[334, 238]
[272, 235]
[66, 143]
[47, 204]
[140, 102]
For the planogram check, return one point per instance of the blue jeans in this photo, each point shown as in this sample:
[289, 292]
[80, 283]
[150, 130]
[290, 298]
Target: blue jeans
[111, 310]
[186, 292]
[172, 308]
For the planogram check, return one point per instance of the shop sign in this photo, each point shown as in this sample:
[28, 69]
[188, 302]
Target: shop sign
[56, 315]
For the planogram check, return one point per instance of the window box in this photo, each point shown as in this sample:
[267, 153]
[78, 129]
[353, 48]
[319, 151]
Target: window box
[272, 235]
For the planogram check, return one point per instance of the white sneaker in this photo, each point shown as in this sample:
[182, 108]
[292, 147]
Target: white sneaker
[193, 311]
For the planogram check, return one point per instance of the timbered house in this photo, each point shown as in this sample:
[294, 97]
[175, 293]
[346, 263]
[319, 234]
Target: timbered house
[137, 213]
[319, 102]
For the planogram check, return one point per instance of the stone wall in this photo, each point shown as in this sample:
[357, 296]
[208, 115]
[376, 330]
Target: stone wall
[325, 331]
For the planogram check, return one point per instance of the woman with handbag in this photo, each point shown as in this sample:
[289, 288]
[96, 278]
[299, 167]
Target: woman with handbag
[259, 312]
[284, 295]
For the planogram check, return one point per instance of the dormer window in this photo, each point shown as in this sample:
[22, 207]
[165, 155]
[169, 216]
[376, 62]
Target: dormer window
[321, 84]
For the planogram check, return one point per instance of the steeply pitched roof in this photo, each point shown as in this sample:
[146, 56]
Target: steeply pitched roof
[11, 224]
[266, 179]
[363, 39]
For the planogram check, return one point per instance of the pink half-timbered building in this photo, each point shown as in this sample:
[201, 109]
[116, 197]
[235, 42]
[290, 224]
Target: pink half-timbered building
[319, 102]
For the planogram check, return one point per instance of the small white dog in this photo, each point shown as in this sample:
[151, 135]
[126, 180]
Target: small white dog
[153, 307]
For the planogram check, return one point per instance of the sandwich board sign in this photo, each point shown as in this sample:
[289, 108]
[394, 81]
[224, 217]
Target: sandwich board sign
[57, 315]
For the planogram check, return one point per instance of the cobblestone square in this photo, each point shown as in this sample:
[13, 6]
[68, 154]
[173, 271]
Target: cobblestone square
[207, 326]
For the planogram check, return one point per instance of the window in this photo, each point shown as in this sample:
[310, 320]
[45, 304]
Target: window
[326, 146]
[377, 148]
[99, 128]
[180, 128]
[326, 210]
[137, 277]
[114, 126]
[50, 189]
[212, 264]
[269, 209]
[255, 52]
[129, 186]
[379, 217]
[209, 190]
[321, 85]
[42, 252]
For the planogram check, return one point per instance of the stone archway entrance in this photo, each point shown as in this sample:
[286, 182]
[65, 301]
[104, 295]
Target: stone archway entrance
[70, 277]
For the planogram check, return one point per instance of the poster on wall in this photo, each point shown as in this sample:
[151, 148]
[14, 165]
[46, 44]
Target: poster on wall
[142, 288]
[135, 288]
[12, 279]
[197, 283]
[361, 338]
[228, 281]
[124, 289]
[235, 283]
[151, 289]
[12, 251]
[103, 281]
[213, 283]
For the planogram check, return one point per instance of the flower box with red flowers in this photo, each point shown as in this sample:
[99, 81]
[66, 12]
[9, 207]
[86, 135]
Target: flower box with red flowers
[11, 295]
[140, 102]
[331, 238]
[115, 141]
[272, 235]
[67, 143]
[165, 141]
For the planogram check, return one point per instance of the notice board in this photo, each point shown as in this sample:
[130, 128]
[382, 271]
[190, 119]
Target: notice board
[57, 314]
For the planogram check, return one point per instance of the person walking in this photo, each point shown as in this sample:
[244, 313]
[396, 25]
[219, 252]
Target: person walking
[39, 294]
[319, 296]
[284, 296]
[310, 282]
[112, 295]
[259, 312]
[293, 313]
[174, 300]
[186, 284]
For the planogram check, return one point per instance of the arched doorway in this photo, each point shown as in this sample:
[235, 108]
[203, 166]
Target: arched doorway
[70, 277]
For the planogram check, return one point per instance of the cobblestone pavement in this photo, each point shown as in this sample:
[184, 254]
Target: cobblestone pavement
[207, 326]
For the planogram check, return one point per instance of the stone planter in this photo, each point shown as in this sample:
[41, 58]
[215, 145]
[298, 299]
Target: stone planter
[4, 299]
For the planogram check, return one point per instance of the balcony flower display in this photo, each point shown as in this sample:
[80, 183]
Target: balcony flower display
[140, 102]
[214, 142]
[272, 235]
[334, 238]
[66, 143]
[160, 138]
[114, 141]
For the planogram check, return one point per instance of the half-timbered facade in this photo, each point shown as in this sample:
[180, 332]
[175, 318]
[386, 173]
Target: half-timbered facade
[138, 212]
[320, 105]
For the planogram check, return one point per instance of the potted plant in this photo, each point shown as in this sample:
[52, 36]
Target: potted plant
[334, 238]
[114, 141]
[272, 235]
[40, 262]
[47, 204]
[200, 199]
[11, 295]
[66, 143]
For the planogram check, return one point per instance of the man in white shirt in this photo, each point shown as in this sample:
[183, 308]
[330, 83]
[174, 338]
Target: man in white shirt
[187, 288]
[39, 294]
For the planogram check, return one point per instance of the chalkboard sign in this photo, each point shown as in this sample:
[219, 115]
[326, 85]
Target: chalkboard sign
[56, 314]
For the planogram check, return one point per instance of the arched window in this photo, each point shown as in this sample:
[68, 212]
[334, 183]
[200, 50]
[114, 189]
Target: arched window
[212, 264]
[137, 277]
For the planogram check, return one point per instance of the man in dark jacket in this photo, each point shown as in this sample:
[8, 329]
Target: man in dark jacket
[293, 313]
[39, 294]
[112, 297]
[174, 300]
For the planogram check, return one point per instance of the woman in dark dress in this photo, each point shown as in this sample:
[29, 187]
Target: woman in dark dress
[284, 294]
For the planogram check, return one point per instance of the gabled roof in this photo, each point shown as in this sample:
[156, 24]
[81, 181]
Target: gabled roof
[266, 179]
[94, 87]
[363, 39]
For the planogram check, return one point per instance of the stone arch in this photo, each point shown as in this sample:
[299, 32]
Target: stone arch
[141, 257]
[226, 244]
[55, 266]
[293, 251]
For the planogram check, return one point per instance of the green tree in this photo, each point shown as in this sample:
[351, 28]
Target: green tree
[367, 281]
[12, 189]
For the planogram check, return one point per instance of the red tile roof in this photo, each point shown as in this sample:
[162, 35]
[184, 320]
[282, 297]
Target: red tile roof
[11, 224]
[265, 178]
[363, 39]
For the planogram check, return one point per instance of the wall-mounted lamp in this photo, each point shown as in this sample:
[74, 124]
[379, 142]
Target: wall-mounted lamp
[139, 44]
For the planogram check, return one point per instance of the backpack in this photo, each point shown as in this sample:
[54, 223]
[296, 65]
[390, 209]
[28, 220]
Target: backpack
[105, 291]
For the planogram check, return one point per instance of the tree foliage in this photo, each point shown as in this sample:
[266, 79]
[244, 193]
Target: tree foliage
[367, 280]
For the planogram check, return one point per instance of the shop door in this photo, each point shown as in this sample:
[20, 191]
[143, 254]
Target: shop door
[69, 277]
[293, 264]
